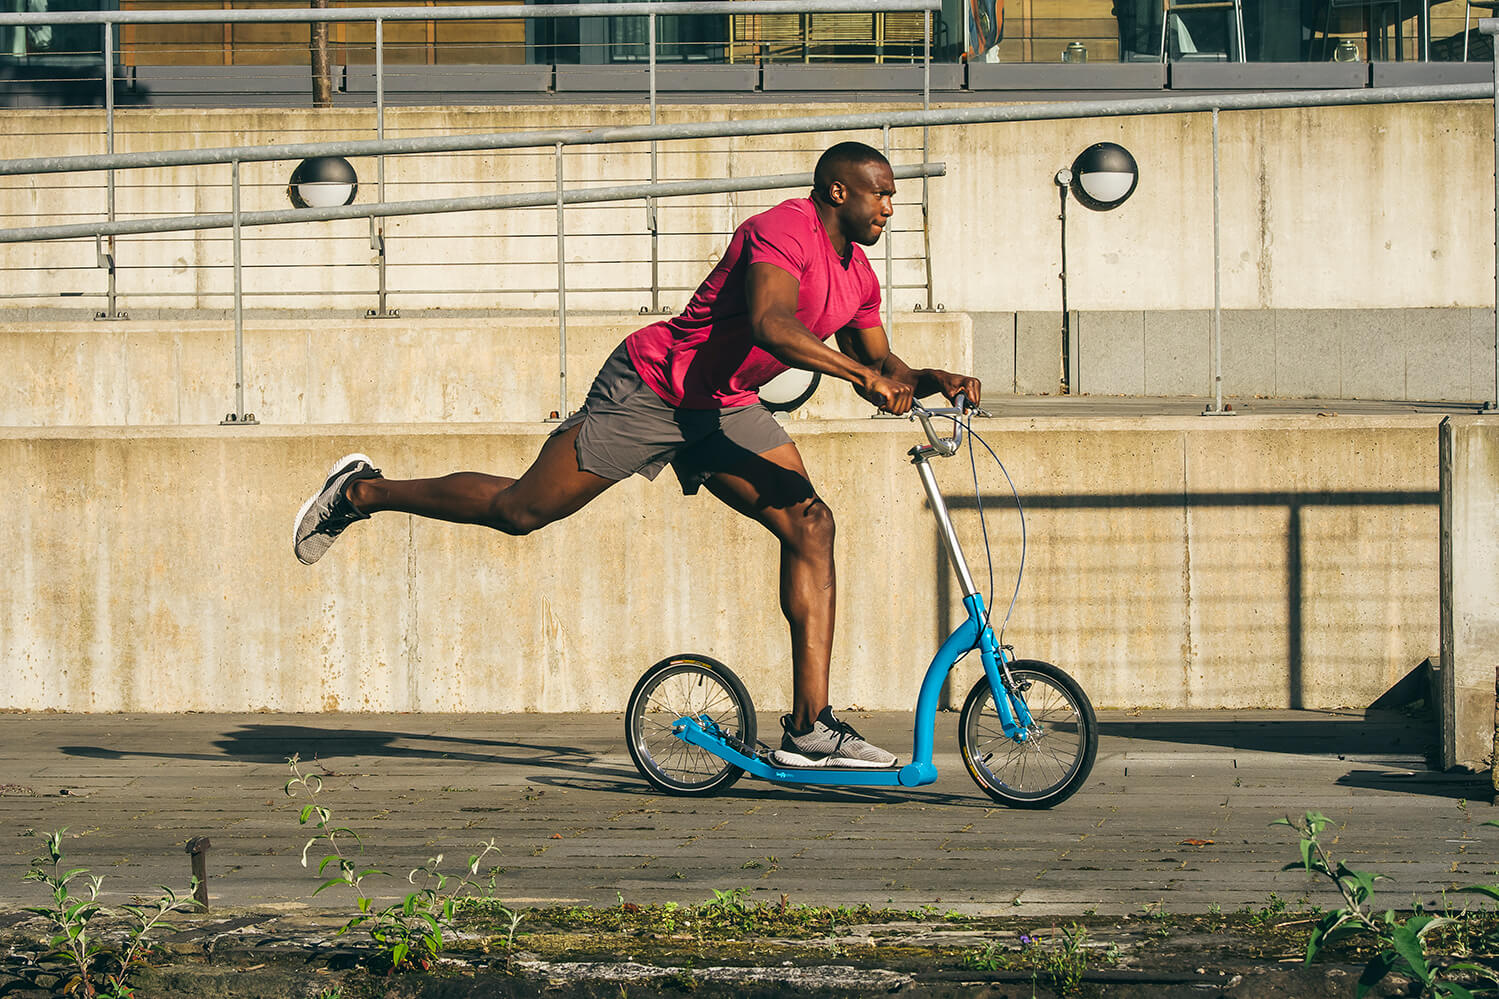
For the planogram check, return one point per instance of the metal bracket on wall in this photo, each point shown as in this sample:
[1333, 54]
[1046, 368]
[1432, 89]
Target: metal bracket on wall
[106, 260]
[377, 243]
[665, 310]
[939, 307]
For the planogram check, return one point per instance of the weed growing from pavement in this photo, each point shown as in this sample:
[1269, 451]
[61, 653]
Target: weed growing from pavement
[1060, 959]
[410, 933]
[92, 969]
[1427, 948]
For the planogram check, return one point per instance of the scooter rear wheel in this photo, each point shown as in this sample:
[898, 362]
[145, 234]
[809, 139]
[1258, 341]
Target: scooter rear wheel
[687, 686]
[1053, 761]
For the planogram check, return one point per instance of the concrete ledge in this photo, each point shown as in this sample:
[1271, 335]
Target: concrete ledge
[444, 81]
[1253, 562]
[1268, 75]
[1429, 74]
[418, 370]
[608, 79]
[903, 78]
[1080, 76]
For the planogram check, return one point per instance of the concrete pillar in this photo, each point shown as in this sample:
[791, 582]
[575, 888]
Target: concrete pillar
[1469, 453]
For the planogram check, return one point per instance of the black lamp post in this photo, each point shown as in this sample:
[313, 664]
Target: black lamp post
[1101, 178]
[323, 182]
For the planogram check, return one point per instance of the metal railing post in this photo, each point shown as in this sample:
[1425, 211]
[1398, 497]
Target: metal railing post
[106, 257]
[377, 228]
[239, 415]
[889, 257]
[1490, 27]
[1217, 407]
[651, 216]
[561, 413]
[926, 151]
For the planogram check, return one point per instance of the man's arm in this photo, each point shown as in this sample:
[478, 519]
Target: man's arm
[872, 347]
[770, 294]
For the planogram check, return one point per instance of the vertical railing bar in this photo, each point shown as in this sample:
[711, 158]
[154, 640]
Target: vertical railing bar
[377, 228]
[1493, 402]
[239, 415]
[926, 151]
[1217, 278]
[561, 296]
[650, 203]
[109, 147]
[889, 257]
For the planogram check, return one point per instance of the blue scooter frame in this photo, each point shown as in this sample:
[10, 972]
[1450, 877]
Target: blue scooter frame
[974, 633]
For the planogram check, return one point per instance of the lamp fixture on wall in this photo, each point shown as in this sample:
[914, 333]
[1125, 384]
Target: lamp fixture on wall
[323, 182]
[1102, 178]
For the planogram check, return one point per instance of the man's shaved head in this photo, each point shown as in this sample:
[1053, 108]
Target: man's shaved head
[836, 163]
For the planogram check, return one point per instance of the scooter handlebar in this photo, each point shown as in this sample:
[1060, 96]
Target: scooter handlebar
[945, 446]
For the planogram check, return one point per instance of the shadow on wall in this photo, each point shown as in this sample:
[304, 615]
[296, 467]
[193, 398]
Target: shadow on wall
[1295, 505]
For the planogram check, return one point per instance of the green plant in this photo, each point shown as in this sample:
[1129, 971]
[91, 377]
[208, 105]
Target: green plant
[93, 969]
[409, 933]
[727, 901]
[1061, 959]
[1064, 959]
[990, 957]
[1400, 944]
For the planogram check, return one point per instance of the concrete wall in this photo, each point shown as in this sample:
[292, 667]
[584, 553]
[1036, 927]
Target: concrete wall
[1470, 605]
[1264, 561]
[329, 371]
[1425, 355]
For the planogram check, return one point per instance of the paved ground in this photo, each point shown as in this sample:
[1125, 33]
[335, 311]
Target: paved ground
[1176, 813]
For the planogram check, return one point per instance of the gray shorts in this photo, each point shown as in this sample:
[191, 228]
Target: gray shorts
[628, 429]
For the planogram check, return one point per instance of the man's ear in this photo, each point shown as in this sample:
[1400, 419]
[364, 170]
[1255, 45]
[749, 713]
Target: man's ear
[837, 192]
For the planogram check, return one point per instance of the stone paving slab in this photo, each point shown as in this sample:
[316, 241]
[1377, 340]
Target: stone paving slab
[1176, 814]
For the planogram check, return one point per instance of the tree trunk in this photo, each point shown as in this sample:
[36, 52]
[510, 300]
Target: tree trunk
[322, 75]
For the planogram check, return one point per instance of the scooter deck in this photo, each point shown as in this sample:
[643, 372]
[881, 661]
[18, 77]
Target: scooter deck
[911, 775]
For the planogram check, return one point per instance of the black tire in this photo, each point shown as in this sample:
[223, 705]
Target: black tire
[681, 686]
[1047, 768]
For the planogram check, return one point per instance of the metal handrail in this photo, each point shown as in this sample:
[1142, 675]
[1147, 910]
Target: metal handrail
[434, 206]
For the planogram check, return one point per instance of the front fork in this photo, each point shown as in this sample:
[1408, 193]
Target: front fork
[1008, 693]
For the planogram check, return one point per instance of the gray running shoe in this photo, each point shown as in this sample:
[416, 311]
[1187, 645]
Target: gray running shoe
[327, 512]
[831, 743]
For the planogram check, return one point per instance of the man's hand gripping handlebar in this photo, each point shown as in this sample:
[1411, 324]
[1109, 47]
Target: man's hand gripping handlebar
[945, 446]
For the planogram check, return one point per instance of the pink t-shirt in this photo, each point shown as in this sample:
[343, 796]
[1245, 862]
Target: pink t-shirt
[705, 358]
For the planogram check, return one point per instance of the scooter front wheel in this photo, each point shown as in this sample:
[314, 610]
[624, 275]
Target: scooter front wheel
[1055, 756]
[694, 687]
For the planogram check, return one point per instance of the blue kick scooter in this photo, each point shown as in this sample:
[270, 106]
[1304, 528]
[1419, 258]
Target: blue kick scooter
[1027, 731]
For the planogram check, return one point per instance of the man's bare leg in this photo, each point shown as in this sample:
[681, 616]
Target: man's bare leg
[552, 488]
[774, 489]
